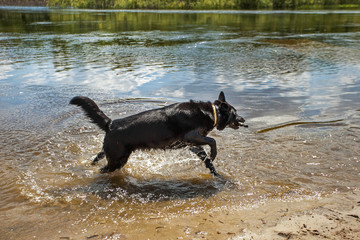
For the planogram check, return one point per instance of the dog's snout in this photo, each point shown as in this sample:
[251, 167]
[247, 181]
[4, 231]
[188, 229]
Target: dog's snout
[240, 119]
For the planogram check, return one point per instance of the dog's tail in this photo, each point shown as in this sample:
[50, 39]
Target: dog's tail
[92, 111]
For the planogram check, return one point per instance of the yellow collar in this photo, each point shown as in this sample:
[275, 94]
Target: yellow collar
[215, 115]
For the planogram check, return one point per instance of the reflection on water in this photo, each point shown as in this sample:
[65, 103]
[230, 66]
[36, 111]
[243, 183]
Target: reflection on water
[293, 75]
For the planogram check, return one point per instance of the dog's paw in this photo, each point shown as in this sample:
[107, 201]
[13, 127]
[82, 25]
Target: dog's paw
[215, 173]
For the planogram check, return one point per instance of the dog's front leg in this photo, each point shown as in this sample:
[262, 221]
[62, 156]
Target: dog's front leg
[195, 138]
[200, 152]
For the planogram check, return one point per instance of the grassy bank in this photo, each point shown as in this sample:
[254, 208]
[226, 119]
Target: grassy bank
[208, 4]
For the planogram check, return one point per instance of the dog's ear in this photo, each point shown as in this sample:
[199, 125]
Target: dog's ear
[222, 97]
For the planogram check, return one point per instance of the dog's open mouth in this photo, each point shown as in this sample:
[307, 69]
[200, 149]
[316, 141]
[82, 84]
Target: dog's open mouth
[243, 125]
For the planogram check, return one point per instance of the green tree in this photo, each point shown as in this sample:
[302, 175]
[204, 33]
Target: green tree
[247, 4]
[278, 4]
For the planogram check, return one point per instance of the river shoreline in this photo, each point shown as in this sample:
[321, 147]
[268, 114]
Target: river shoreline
[332, 217]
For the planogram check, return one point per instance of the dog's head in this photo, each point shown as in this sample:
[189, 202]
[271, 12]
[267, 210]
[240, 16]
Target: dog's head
[227, 114]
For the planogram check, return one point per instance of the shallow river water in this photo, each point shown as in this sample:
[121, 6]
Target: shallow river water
[294, 76]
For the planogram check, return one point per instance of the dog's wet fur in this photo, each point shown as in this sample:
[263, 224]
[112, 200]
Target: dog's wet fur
[171, 127]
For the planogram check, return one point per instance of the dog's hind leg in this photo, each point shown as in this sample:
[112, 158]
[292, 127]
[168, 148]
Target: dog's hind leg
[200, 152]
[98, 157]
[116, 161]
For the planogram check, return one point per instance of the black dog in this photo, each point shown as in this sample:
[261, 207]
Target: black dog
[170, 127]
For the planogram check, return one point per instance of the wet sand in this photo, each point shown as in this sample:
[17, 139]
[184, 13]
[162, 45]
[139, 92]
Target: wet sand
[332, 217]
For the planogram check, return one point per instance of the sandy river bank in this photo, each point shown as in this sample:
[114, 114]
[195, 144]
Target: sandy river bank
[332, 217]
